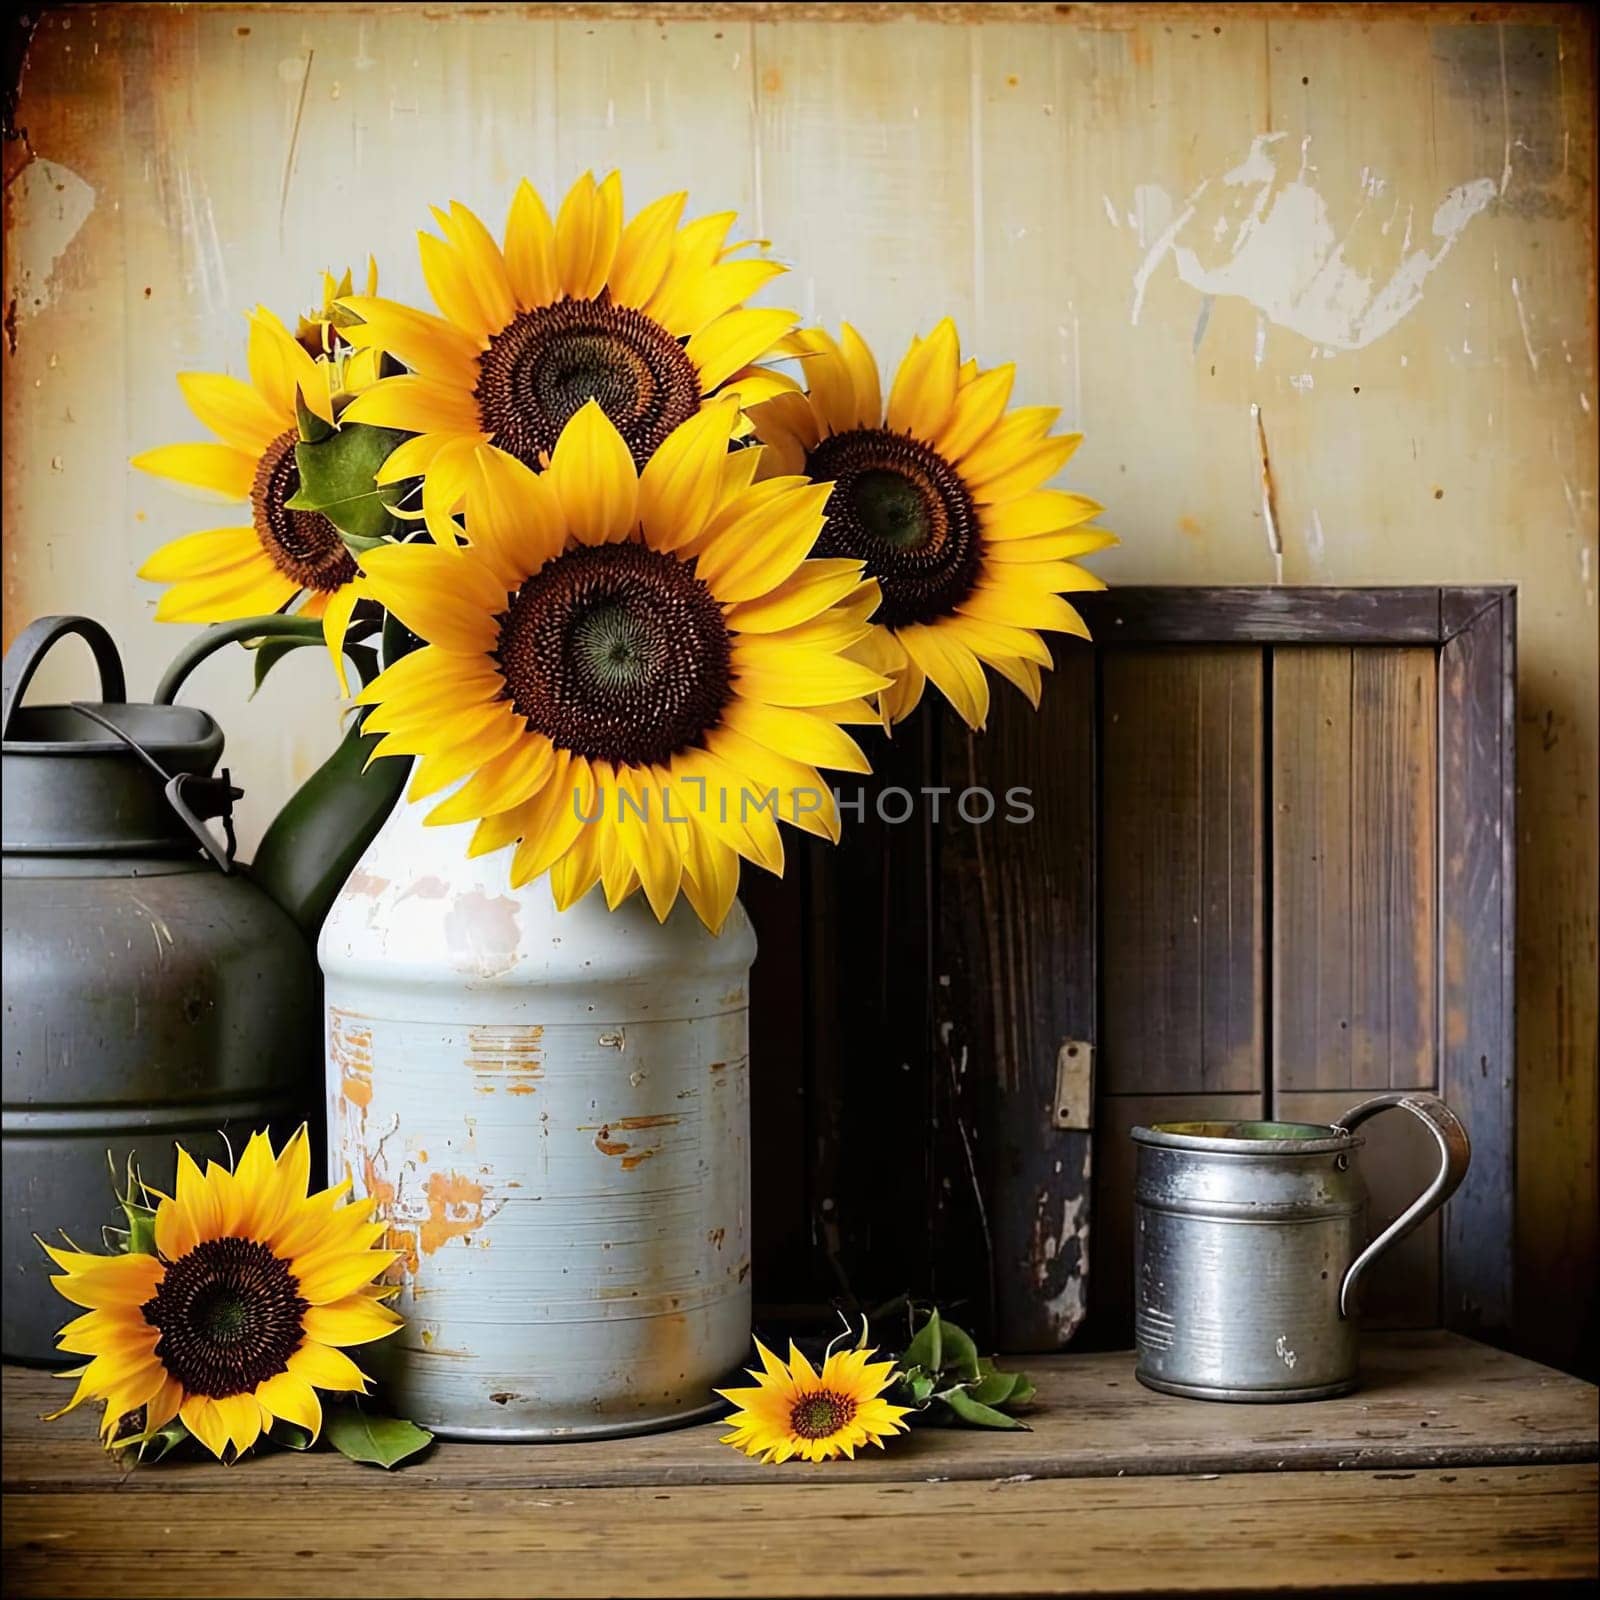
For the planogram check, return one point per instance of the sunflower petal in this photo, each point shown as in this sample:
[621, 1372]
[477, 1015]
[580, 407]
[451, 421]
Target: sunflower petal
[217, 471]
[238, 414]
[924, 388]
[681, 483]
[531, 250]
[595, 479]
[734, 340]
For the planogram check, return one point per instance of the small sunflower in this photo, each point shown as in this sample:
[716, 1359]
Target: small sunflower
[648, 319]
[793, 1410]
[939, 494]
[627, 667]
[251, 570]
[237, 1318]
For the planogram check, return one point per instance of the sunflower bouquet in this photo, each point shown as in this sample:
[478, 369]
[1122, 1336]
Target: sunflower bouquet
[645, 572]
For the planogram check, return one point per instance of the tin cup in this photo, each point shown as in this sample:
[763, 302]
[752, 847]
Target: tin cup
[1248, 1249]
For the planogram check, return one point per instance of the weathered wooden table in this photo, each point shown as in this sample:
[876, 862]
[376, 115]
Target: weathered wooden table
[1454, 1465]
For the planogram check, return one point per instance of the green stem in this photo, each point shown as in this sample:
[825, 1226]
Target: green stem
[273, 626]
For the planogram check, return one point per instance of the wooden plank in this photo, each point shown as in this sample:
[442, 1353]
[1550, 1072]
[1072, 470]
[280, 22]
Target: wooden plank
[1355, 791]
[1111, 1285]
[870, 1089]
[1016, 983]
[1477, 688]
[1428, 1400]
[1181, 866]
[822, 1532]
[1176, 614]
[1397, 1160]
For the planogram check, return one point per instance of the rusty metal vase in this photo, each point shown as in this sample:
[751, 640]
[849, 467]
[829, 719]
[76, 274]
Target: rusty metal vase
[551, 1110]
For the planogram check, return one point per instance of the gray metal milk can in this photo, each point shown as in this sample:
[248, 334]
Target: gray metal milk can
[151, 991]
[1249, 1249]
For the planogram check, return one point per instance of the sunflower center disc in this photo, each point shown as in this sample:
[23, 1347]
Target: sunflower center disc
[303, 545]
[230, 1316]
[542, 368]
[617, 653]
[902, 508]
[818, 1415]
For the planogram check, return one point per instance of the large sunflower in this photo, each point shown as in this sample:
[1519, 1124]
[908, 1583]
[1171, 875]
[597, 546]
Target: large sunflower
[939, 494]
[794, 1410]
[237, 1318]
[254, 569]
[629, 665]
[647, 319]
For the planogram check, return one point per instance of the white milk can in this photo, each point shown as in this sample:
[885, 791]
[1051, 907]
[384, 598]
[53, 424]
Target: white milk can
[552, 1112]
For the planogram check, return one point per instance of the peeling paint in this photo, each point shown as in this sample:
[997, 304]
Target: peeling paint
[1255, 236]
[48, 204]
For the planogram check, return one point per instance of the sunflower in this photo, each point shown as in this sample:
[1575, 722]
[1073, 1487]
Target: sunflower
[794, 1410]
[939, 494]
[251, 570]
[647, 319]
[237, 1318]
[637, 673]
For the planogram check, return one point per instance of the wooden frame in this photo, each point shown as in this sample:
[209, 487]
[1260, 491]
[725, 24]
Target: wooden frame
[921, 982]
[1474, 631]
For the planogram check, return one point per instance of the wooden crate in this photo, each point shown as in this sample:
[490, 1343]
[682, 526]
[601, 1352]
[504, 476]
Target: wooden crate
[1269, 873]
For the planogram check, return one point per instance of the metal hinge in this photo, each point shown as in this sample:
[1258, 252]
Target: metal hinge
[1074, 1106]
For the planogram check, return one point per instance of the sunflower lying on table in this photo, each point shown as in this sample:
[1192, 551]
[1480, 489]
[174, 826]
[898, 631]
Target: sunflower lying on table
[230, 1308]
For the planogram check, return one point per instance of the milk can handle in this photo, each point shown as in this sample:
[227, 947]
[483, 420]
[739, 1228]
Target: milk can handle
[1455, 1151]
[31, 646]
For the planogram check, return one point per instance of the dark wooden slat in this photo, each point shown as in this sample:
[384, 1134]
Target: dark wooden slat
[781, 1044]
[1397, 1160]
[1111, 1282]
[1477, 717]
[1016, 981]
[1355, 793]
[1181, 865]
[1177, 615]
[869, 1092]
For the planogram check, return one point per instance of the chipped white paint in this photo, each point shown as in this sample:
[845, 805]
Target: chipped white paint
[49, 205]
[551, 1111]
[1275, 243]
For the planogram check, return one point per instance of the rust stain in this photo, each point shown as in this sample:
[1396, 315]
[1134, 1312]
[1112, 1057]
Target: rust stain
[426, 889]
[365, 885]
[716, 1236]
[358, 1091]
[455, 1210]
[630, 1162]
[1190, 527]
[609, 1147]
[719, 1066]
[404, 1240]
[504, 1397]
[506, 1053]
[772, 80]
[663, 1120]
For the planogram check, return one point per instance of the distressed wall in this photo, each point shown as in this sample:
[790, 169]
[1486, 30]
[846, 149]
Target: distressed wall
[1374, 224]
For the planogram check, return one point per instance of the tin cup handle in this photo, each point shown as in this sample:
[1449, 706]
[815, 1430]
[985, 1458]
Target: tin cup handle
[1455, 1151]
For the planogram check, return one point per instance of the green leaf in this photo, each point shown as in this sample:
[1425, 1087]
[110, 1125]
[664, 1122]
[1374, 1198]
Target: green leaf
[926, 1349]
[960, 1353]
[268, 653]
[977, 1415]
[995, 1388]
[337, 478]
[378, 1441]
[1024, 1392]
[313, 429]
[162, 1442]
[921, 1388]
[290, 1435]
